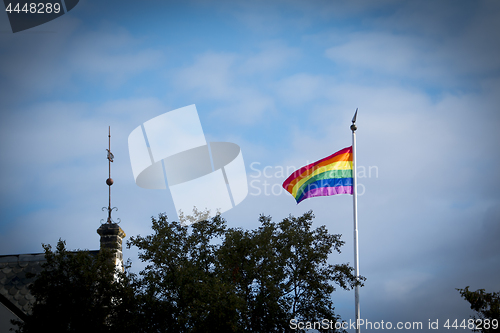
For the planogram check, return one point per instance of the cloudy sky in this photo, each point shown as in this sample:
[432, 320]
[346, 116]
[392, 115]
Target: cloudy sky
[282, 80]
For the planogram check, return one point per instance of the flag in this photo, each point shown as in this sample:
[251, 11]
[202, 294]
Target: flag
[328, 176]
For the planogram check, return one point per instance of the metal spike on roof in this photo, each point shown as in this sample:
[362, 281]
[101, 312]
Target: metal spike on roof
[109, 181]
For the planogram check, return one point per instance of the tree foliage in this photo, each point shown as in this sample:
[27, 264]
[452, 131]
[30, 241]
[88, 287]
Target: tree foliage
[486, 305]
[79, 292]
[205, 277]
[208, 278]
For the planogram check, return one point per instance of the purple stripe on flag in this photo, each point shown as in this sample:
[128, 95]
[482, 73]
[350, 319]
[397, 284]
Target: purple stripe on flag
[324, 191]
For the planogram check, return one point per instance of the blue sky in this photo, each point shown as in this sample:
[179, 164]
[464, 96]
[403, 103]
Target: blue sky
[282, 80]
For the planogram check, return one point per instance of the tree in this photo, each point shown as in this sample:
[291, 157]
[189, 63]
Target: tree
[281, 272]
[180, 290]
[200, 278]
[487, 307]
[80, 292]
[208, 278]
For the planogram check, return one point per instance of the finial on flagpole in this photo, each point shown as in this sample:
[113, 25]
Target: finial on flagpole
[353, 126]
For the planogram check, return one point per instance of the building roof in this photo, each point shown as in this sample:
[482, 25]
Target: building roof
[14, 285]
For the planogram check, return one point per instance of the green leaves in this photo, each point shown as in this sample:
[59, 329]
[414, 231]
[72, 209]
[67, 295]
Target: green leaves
[79, 292]
[486, 305]
[208, 278]
[200, 278]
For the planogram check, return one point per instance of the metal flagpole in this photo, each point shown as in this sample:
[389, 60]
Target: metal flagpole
[355, 216]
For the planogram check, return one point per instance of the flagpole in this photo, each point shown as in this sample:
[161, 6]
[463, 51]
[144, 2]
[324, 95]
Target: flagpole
[355, 217]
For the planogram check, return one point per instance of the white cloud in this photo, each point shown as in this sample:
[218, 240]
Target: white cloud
[210, 76]
[59, 149]
[217, 77]
[273, 56]
[41, 64]
[437, 47]
[115, 56]
[392, 55]
[301, 88]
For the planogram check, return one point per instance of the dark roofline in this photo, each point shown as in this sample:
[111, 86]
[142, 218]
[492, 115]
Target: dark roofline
[14, 309]
[25, 255]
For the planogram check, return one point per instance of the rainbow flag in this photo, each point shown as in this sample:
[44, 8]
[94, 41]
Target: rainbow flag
[328, 176]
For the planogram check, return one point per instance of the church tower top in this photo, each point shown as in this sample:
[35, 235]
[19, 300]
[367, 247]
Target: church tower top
[111, 233]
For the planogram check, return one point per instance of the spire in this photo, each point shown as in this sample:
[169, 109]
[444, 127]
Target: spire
[109, 181]
[111, 233]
